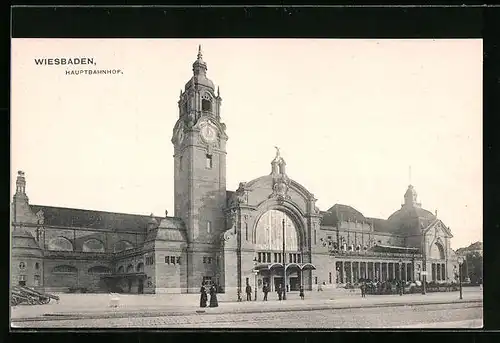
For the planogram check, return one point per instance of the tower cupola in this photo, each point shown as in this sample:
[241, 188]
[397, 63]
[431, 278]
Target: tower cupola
[199, 66]
[200, 74]
[411, 197]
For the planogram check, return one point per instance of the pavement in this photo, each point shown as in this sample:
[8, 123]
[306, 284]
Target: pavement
[95, 306]
[462, 324]
[456, 315]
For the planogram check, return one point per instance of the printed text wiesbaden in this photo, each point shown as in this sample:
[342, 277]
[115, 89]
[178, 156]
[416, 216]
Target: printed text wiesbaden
[64, 61]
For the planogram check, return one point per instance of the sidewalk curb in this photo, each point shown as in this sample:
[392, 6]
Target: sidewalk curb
[209, 311]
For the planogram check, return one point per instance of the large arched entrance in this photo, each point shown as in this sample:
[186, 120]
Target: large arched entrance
[274, 229]
[437, 258]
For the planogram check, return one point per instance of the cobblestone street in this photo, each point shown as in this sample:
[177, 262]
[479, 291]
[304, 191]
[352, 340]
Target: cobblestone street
[468, 315]
[164, 304]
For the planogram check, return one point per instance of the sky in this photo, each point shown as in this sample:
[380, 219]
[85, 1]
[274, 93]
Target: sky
[351, 117]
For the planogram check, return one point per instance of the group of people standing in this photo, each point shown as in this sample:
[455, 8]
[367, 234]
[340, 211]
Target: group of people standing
[379, 287]
[280, 291]
[248, 290]
[204, 296]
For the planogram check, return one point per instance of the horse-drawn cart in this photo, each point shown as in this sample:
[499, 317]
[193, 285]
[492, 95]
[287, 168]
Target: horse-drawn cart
[25, 295]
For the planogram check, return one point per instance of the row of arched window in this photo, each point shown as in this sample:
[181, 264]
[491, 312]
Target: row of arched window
[206, 103]
[130, 268]
[90, 245]
[73, 270]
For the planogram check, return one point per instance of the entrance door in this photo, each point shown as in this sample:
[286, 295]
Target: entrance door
[277, 281]
[294, 283]
[140, 288]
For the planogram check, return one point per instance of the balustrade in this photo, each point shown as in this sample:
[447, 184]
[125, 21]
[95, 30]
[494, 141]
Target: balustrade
[374, 253]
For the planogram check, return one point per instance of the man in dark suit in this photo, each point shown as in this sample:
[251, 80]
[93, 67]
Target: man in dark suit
[265, 290]
[248, 291]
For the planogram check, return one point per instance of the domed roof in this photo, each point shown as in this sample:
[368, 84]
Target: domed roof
[411, 217]
[170, 229]
[201, 80]
[152, 220]
[200, 73]
[24, 243]
[411, 212]
[170, 234]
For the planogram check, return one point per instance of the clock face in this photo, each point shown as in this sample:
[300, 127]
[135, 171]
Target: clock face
[208, 133]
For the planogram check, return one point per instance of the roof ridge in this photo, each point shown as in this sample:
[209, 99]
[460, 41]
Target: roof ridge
[93, 210]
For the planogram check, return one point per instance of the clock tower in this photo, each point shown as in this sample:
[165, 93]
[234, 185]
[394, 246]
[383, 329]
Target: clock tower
[199, 139]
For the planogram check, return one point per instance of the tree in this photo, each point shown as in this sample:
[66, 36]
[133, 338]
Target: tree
[475, 266]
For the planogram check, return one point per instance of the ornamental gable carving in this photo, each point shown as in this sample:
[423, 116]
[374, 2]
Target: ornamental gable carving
[281, 185]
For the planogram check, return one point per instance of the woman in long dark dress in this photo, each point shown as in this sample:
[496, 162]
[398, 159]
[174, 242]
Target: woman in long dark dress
[213, 297]
[203, 296]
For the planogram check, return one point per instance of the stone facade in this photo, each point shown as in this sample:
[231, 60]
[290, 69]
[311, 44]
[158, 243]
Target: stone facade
[229, 238]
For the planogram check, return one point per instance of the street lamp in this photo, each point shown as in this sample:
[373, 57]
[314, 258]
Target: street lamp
[422, 277]
[255, 271]
[284, 261]
[401, 289]
[424, 274]
[460, 262]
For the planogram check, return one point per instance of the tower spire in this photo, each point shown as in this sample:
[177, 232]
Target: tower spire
[200, 55]
[199, 66]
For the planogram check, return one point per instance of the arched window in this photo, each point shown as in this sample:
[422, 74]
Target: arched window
[99, 270]
[93, 245]
[206, 105]
[65, 269]
[36, 280]
[140, 267]
[122, 245]
[60, 244]
[437, 251]
[130, 268]
[22, 265]
[120, 269]
[269, 232]
[37, 266]
[206, 102]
